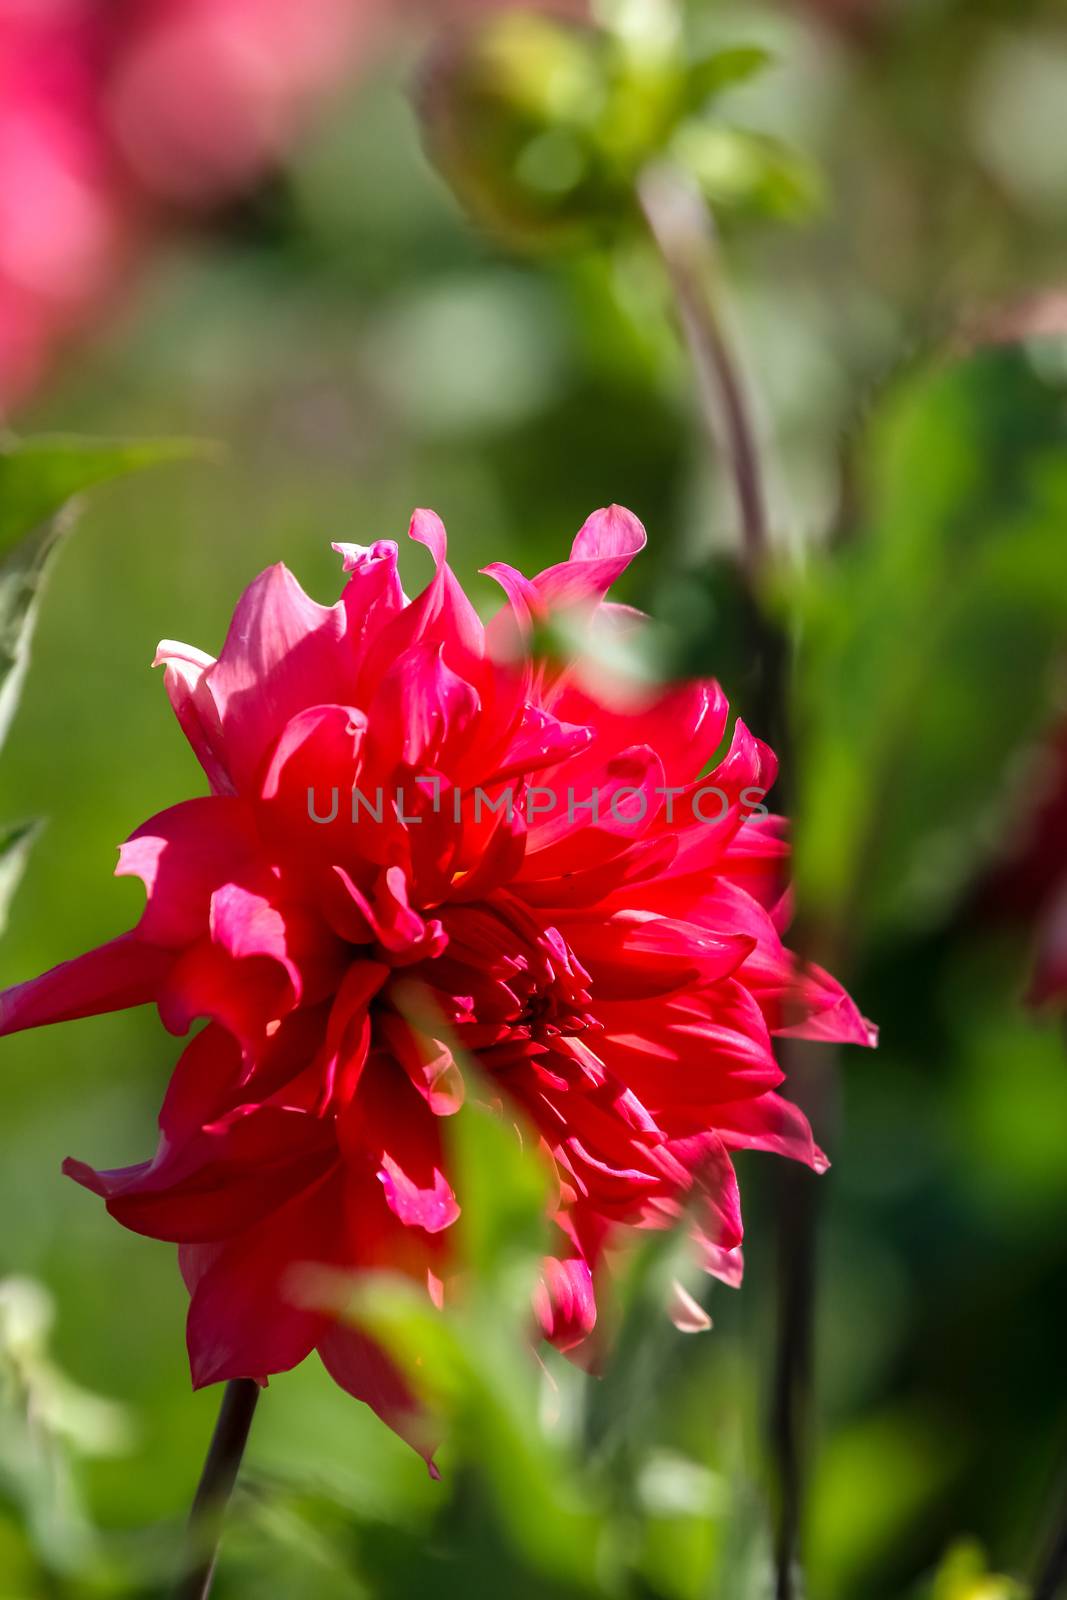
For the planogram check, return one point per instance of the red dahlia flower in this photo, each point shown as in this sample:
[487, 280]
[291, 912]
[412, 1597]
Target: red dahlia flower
[537, 877]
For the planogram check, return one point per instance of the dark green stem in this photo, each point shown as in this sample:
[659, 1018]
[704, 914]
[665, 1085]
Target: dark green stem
[216, 1487]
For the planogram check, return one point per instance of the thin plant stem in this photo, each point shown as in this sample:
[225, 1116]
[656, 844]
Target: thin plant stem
[683, 230]
[215, 1488]
[812, 1079]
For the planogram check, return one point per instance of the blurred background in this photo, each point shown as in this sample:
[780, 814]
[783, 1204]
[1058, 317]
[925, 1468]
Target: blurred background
[390, 255]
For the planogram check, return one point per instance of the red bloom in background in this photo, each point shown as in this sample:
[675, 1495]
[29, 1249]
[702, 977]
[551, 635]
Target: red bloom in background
[1029, 882]
[203, 96]
[63, 219]
[111, 113]
[115, 118]
[539, 879]
[206, 95]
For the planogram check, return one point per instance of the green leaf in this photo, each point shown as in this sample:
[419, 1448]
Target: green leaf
[474, 1369]
[21, 575]
[39, 476]
[40, 479]
[501, 1186]
[623, 1405]
[751, 174]
[724, 69]
[472, 1361]
[16, 842]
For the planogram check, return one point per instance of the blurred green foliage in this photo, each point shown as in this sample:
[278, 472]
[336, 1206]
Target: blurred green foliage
[360, 347]
[39, 482]
[543, 127]
[907, 714]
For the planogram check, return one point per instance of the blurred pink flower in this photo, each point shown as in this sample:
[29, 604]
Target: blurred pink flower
[425, 841]
[115, 116]
[62, 217]
[205, 94]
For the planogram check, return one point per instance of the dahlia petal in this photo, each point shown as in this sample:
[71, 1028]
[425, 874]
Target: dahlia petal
[400, 928]
[321, 740]
[245, 1319]
[749, 763]
[373, 593]
[512, 625]
[206, 1082]
[710, 813]
[686, 1054]
[194, 1260]
[604, 547]
[184, 680]
[362, 1367]
[644, 860]
[282, 653]
[391, 1124]
[441, 615]
[348, 1032]
[612, 534]
[421, 710]
[757, 860]
[496, 863]
[726, 1265]
[384, 917]
[684, 724]
[636, 954]
[832, 1015]
[431, 1208]
[259, 962]
[428, 1062]
[593, 818]
[245, 996]
[541, 740]
[799, 1001]
[687, 1314]
[234, 1175]
[719, 1218]
[616, 1191]
[125, 972]
[565, 1301]
[346, 908]
[427, 528]
[771, 1123]
[377, 560]
[609, 1158]
[247, 926]
[182, 856]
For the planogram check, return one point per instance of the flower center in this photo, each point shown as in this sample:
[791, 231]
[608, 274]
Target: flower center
[502, 980]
